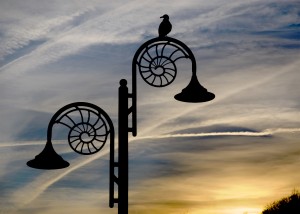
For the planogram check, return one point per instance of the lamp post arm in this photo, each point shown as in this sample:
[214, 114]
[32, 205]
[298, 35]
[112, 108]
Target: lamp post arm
[87, 124]
[163, 42]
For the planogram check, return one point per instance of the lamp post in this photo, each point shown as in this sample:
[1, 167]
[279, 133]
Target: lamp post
[156, 62]
[89, 126]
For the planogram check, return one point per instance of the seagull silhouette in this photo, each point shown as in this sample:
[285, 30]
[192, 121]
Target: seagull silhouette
[165, 26]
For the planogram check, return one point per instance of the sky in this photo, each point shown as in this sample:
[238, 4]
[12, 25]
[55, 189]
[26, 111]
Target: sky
[232, 155]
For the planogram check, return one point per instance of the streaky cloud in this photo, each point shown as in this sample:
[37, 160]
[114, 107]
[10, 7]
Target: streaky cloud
[21, 36]
[39, 185]
[20, 144]
[267, 132]
[227, 94]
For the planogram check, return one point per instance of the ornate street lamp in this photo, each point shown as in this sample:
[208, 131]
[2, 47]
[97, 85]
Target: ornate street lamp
[156, 61]
[89, 126]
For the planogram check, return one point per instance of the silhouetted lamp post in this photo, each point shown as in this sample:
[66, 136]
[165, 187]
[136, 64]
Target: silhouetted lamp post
[89, 126]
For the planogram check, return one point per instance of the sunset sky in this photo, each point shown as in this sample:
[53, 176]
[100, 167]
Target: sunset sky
[232, 155]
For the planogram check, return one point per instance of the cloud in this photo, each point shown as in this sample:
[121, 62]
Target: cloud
[40, 184]
[98, 29]
[265, 133]
[229, 172]
[21, 28]
[238, 102]
[102, 28]
[209, 157]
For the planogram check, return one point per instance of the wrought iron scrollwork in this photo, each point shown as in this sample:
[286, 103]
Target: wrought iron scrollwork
[88, 127]
[157, 61]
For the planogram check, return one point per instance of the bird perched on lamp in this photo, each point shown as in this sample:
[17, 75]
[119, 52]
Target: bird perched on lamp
[165, 26]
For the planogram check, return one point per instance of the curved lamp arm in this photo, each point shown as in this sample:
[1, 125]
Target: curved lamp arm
[162, 53]
[89, 127]
[83, 124]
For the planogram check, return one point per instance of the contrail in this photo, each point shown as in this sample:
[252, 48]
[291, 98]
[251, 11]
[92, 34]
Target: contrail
[247, 86]
[266, 132]
[40, 186]
[25, 144]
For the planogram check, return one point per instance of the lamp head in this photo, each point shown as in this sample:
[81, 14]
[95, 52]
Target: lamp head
[48, 159]
[194, 92]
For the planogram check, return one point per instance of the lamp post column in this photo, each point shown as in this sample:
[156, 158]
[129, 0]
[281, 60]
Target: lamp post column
[123, 148]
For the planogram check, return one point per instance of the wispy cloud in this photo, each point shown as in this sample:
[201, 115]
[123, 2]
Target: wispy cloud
[267, 132]
[53, 53]
[40, 184]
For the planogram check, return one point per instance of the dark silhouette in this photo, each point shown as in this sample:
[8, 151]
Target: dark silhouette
[89, 126]
[156, 61]
[48, 159]
[165, 26]
[287, 205]
[123, 147]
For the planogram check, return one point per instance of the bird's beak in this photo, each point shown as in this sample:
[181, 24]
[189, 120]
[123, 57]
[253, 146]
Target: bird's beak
[162, 17]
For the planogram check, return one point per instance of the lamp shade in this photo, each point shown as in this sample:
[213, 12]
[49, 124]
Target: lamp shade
[194, 92]
[48, 159]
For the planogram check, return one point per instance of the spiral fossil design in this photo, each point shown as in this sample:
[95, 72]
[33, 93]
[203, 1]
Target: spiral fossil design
[156, 62]
[88, 129]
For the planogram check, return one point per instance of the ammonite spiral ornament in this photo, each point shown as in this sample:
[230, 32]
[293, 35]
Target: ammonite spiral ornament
[88, 129]
[156, 62]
